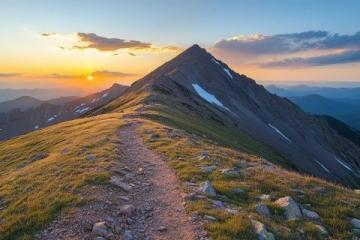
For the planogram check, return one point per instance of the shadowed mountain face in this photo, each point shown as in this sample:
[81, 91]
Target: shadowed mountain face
[32, 114]
[202, 88]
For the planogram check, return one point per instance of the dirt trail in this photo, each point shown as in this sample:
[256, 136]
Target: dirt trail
[144, 203]
[157, 194]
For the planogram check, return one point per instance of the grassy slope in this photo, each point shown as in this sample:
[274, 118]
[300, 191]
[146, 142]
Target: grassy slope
[33, 192]
[332, 202]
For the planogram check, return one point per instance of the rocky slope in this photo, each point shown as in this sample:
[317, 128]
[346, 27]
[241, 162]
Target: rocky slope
[200, 86]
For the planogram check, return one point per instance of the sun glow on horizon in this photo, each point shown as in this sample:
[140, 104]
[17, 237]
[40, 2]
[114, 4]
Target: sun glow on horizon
[90, 78]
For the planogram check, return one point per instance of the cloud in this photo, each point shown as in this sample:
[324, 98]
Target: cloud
[258, 44]
[109, 74]
[47, 34]
[85, 41]
[330, 59]
[8, 75]
[91, 40]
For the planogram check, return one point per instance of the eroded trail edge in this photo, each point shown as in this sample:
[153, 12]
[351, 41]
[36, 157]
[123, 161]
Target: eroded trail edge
[155, 193]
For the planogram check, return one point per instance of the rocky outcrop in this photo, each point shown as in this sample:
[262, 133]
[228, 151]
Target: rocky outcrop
[261, 231]
[290, 206]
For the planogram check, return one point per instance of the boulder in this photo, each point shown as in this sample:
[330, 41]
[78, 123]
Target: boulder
[127, 210]
[310, 214]
[290, 206]
[261, 232]
[207, 188]
[100, 229]
[230, 171]
[263, 210]
[116, 181]
[355, 222]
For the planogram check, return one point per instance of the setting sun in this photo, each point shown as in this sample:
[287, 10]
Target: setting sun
[90, 78]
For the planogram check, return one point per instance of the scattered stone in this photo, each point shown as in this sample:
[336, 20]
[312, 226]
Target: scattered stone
[124, 198]
[292, 210]
[261, 232]
[116, 181]
[162, 229]
[209, 218]
[310, 214]
[100, 229]
[322, 230]
[243, 164]
[357, 191]
[65, 151]
[154, 137]
[231, 211]
[355, 222]
[218, 203]
[207, 188]
[100, 238]
[239, 191]
[231, 171]
[263, 210]
[39, 156]
[127, 210]
[298, 191]
[209, 169]
[205, 156]
[90, 157]
[128, 235]
[264, 197]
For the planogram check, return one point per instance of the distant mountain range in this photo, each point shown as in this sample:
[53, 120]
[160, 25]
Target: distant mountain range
[26, 102]
[39, 93]
[340, 103]
[26, 114]
[303, 90]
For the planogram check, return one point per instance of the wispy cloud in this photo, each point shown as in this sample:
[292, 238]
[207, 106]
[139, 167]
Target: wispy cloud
[106, 44]
[47, 34]
[109, 74]
[8, 75]
[330, 59]
[322, 48]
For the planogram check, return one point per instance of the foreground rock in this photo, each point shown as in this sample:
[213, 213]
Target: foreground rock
[263, 210]
[207, 188]
[116, 181]
[355, 222]
[100, 229]
[310, 214]
[292, 210]
[261, 232]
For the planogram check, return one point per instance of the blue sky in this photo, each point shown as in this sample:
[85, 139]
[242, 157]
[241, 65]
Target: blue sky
[177, 23]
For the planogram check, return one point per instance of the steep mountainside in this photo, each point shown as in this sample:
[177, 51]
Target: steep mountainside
[17, 121]
[202, 87]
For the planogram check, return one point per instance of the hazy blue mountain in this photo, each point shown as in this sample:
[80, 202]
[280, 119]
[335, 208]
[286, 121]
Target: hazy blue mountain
[344, 109]
[303, 90]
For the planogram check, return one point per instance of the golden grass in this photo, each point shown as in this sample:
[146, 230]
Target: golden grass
[32, 192]
[332, 202]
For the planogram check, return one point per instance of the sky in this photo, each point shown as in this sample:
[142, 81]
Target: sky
[91, 44]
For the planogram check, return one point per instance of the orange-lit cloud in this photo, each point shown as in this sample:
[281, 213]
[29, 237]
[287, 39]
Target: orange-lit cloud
[105, 44]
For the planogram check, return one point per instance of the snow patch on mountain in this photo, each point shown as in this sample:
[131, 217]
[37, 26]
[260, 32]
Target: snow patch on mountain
[36, 127]
[343, 164]
[228, 73]
[215, 61]
[105, 95]
[208, 96]
[82, 110]
[322, 166]
[279, 132]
